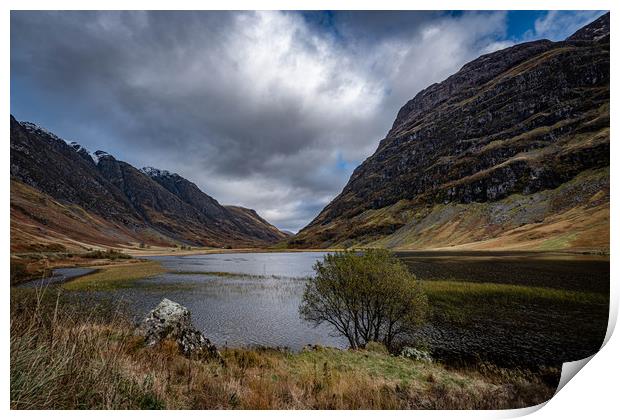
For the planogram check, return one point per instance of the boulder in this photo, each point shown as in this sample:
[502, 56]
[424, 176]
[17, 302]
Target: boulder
[416, 354]
[169, 320]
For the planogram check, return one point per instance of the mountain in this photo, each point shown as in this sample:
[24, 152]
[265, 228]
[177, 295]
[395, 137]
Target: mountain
[63, 194]
[250, 221]
[239, 222]
[512, 151]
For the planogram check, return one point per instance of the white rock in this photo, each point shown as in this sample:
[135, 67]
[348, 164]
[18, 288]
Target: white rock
[169, 320]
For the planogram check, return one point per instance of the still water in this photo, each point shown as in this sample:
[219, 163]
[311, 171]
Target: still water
[255, 303]
[252, 299]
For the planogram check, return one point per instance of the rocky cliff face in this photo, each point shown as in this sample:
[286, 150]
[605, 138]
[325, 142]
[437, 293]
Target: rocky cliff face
[239, 222]
[186, 191]
[43, 161]
[107, 201]
[520, 121]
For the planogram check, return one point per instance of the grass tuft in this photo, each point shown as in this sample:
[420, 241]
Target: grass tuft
[110, 254]
[66, 356]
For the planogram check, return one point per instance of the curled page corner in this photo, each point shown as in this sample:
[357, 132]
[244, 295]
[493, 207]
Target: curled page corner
[520, 412]
[569, 370]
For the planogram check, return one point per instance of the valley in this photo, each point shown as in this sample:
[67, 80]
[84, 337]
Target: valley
[477, 233]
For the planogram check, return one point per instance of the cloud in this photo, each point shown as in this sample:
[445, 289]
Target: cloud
[270, 110]
[557, 25]
[496, 46]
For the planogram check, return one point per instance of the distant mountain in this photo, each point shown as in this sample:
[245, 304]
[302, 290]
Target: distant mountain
[249, 221]
[62, 193]
[238, 221]
[512, 151]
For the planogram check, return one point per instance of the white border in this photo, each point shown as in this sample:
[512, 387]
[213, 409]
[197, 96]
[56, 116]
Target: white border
[592, 394]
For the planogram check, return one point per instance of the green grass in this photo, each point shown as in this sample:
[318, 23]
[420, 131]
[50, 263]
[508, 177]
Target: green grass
[559, 242]
[376, 365]
[464, 301]
[458, 291]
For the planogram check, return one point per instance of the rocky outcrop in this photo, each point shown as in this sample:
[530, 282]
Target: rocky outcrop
[171, 321]
[596, 31]
[522, 120]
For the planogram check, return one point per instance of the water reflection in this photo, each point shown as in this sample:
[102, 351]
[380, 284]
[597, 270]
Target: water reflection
[256, 306]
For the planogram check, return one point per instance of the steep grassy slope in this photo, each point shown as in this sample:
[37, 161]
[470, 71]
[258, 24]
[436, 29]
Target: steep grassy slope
[573, 216]
[489, 156]
[40, 223]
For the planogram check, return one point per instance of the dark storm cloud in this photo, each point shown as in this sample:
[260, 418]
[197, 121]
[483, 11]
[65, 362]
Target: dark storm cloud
[268, 110]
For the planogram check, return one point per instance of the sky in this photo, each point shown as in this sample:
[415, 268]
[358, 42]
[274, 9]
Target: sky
[268, 110]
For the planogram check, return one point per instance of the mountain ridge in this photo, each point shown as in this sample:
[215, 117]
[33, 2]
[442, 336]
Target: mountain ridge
[522, 120]
[131, 205]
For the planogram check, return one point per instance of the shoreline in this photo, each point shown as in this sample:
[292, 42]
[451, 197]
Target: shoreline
[438, 252]
[162, 377]
[171, 252]
[452, 367]
[72, 260]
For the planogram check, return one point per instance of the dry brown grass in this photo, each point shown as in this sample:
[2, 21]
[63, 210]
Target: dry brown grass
[27, 266]
[117, 275]
[38, 220]
[63, 357]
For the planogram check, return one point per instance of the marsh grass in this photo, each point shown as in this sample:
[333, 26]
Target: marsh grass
[499, 293]
[463, 301]
[69, 355]
[116, 276]
[226, 274]
[110, 254]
